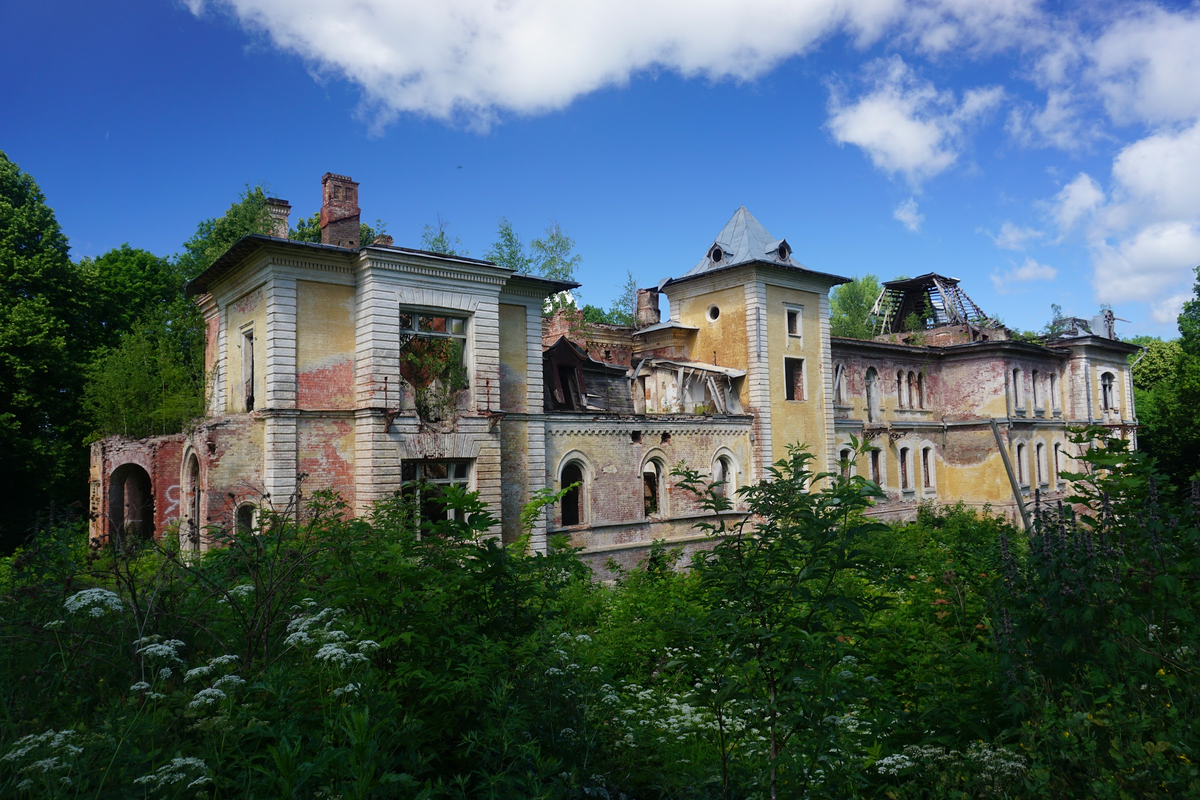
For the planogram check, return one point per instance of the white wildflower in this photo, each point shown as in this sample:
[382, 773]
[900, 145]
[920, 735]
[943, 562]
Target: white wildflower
[338, 655]
[228, 682]
[367, 646]
[348, 689]
[165, 673]
[206, 697]
[93, 602]
[140, 686]
[198, 672]
[55, 625]
[177, 771]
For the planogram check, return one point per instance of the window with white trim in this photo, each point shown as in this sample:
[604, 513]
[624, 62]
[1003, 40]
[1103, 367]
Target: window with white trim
[793, 378]
[1021, 466]
[248, 377]
[1108, 396]
[427, 481]
[433, 349]
[927, 467]
[654, 488]
[795, 325]
[572, 504]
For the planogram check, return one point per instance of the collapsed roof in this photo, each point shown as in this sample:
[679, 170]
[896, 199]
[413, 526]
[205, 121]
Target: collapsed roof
[935, 300]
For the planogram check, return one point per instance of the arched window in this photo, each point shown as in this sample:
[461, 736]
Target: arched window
[872, 395]
[247, 518]
[1018, 395]
[926, 467]
[1039, 455]
[912, 387]
[724, 476]
[920, 390]
[900, 389]
[1107, 394]
[572, 501]
[839, 385]
[1054, 404]
[1021, 465]
[904, 469]
[131, 502]
[654, 488]
[192, 507]
[877, 468]
[1037, 395]
[1057, 460]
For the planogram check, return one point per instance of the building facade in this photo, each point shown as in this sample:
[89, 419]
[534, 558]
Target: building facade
[360, 369]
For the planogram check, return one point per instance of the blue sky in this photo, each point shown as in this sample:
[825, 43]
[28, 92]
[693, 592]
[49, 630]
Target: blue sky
[1040, 152]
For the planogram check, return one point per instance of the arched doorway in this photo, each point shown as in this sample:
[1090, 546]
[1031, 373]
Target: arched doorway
[131, 503]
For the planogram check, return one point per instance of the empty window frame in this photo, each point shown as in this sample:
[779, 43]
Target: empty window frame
[653, 488]
[427, 481]
[877, 467]
[1054, 404]
[905, 483]
[1108, 397]
[1039, 461]
[572, 504]
[846, 462]
[873, 389]
[723, 475]
[926, 467]
[912, 388]
[793, 378]
[839, 385]
[1057, 460]
[1037, 394]
[247, 518]
[795, 325]
[920, 390]
[1021, 466]
[1018, 394]
[248, 377]
[432, 347]
[900, 388]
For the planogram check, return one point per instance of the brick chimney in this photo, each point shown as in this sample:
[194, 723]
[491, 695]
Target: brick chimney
[279, 211]
[339, 211]
[647, 308]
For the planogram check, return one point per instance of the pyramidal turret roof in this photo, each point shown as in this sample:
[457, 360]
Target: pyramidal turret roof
[742, 241]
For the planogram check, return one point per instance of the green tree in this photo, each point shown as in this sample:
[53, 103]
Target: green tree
[437, 240]
[850, 307]
[1156, 364]
[41, 345]
[553, 256]
[125, 285]
[214, 236]
[1189, 321]
[507, 250]
[308, 229]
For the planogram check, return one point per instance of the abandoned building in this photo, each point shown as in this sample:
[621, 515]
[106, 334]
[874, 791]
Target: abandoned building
[360, 369]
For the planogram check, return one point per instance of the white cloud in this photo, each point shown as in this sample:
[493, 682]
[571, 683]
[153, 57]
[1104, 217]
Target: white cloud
[1075, 200]
[908, 215]
[1028, 272]
[1063, 123]
[1012, 237]
[1145, 65]
[1160, 175]
[1156, 259]
[1167, 311]
[905, 124]
[470, 60]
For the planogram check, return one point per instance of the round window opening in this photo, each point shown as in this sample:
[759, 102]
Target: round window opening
[716, 255]
[713, 313]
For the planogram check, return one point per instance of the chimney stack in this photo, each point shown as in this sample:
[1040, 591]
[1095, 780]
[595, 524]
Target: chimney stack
[339, 211]
[279, 211]
[647, 308]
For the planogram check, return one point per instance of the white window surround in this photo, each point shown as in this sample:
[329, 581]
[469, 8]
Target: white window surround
[585, 489]
[725, 467]
[794, 325]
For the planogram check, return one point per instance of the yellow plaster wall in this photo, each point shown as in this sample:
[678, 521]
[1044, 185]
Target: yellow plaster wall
[250, 308]
[726, 335]
[325, 341]
[514, 371]
[795, 421]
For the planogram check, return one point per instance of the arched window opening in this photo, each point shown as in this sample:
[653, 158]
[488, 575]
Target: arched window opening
[920, 390]
[904, 482]
[1037, 395]
[572, 502]
[1018, 397]
[1021, 465]
[872, 395]
[1039, 453]
[912, 380]
[247, 519]
[653, 488]
[1054, 391]
[131, 503]
[845, 465]
[1107, 394]
[1057, 460]
[723, 476]
[876, 472]
[839, 385]
[191, 525]
[926, 474]
[900, 389]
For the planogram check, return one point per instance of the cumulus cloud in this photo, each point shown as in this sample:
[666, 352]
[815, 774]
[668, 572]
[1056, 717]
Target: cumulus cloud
[1160, 175]
[1145, 65]
[1078, 198]
[471, 61]
[1167, 311]
[904, 124]
[1157, 258]
[908, 215]
[1028, 272]
[1013, 237]
[1062, 123]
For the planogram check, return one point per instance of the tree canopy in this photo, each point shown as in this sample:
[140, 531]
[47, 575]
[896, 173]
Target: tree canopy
[850, 307]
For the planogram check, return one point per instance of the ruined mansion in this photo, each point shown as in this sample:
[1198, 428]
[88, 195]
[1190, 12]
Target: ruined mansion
[363, 368]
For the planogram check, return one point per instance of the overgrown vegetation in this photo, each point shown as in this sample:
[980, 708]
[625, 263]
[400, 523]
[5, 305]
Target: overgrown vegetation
[822, 655]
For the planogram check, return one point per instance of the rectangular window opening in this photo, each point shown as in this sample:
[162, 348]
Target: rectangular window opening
[904, 484]
[433, 349]
[793, 378]
[795, 322]
[426, 482]
[925, 475]
[248, 367]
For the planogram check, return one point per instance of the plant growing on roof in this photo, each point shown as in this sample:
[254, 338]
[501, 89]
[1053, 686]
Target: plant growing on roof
[435, 369]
